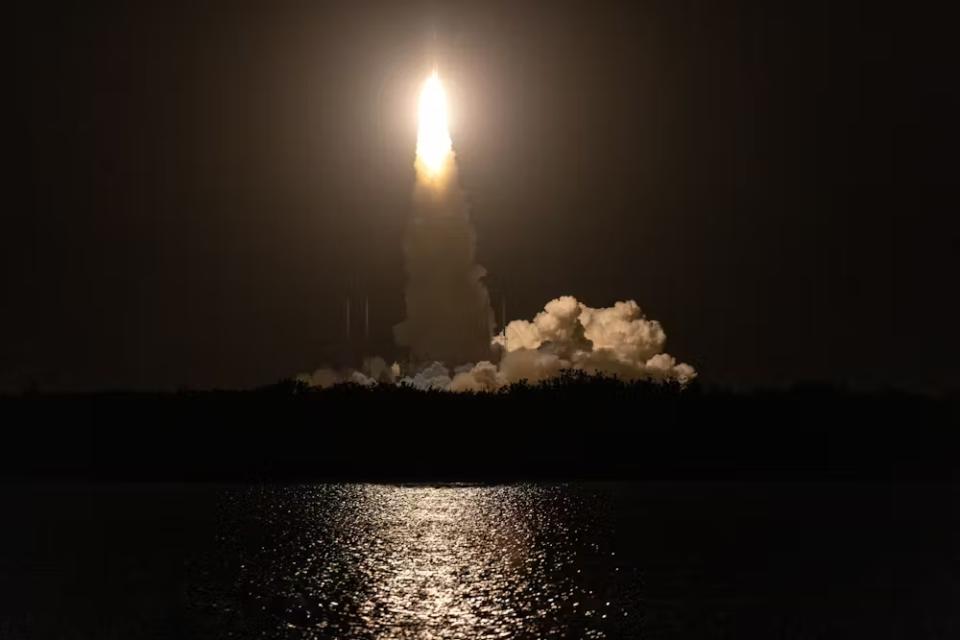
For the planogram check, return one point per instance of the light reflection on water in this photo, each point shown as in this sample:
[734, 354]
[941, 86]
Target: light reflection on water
[451, 562]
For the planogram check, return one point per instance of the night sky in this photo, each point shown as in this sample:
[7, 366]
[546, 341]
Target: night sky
[196, 187]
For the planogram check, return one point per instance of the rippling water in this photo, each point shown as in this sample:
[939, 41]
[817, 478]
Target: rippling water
[372, 561]
[358, 561]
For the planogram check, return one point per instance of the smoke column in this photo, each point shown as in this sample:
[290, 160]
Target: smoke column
[449, 318]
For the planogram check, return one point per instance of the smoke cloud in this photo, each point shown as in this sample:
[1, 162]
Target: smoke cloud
[373, 371]
[567, 335]
[618, 340]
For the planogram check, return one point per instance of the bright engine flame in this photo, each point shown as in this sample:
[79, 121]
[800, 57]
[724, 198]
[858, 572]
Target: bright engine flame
[433, 137]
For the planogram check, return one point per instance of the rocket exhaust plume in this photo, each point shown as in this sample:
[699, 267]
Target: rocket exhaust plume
[449, 317]
[434, 146]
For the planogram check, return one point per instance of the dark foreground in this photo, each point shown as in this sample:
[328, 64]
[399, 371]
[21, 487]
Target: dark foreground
[577, 427]
[808, 513]
[523, 561]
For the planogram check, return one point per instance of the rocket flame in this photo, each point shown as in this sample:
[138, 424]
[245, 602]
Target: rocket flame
[433, 137]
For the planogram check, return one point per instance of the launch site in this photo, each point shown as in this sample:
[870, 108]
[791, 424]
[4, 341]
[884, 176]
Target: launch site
[480, 320]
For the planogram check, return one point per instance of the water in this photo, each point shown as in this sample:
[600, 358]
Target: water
[357, 561]
[424, 562]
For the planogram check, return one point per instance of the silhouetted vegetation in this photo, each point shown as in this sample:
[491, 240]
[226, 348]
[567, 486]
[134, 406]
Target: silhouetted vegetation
[577, 425]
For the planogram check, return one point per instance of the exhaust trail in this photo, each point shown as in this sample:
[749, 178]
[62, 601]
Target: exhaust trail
[449, 317]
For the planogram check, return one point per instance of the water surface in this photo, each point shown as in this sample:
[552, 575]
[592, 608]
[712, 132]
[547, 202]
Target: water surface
[508, 561]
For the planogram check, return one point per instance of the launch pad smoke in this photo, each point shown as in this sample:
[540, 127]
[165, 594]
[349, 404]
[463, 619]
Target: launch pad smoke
[567, 334]
[449, 323]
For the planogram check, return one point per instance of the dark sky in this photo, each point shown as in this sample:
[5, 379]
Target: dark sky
[198, 185]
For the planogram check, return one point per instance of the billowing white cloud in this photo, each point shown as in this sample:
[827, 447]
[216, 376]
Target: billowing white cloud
[567, 335]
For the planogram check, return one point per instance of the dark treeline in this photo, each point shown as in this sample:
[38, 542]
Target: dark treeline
[576, 426]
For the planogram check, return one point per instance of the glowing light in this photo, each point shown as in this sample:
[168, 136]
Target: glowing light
[433, 137]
